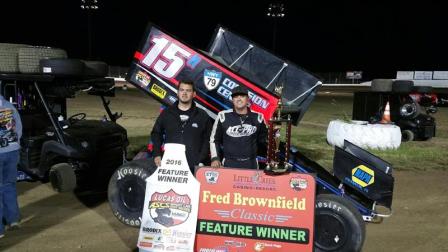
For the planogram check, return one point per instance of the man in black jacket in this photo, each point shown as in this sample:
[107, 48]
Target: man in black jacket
[186, 124]
[238, 132]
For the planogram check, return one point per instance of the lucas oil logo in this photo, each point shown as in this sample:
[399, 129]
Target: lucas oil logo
[169, 209]
[212, 79]
[143, 78]
[363, 175]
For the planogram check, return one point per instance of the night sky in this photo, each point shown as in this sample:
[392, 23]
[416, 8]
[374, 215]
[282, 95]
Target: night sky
[320, 36]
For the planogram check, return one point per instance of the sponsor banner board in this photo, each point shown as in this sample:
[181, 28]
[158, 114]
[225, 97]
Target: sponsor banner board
[423, 75]
[405, 75]
[171, 205]
[440, 75]
[248, 210]
[162, 61]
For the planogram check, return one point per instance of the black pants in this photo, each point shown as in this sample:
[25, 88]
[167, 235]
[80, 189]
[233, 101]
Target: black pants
[241, 163]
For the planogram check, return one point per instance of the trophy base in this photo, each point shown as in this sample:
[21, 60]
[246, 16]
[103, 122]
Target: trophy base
[278, 168]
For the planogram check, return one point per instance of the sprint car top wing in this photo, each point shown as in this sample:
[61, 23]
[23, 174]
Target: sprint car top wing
[265, 70]
[161, 62]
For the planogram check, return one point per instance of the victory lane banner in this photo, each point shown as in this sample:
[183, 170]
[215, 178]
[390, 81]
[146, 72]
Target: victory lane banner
[248, 210]
[171, 205]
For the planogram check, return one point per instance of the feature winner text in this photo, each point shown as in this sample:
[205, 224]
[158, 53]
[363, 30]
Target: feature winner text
[171, 175]
[253, 231]
[239, 200]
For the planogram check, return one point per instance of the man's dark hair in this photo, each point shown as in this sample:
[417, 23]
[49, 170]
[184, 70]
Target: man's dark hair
[187, 82]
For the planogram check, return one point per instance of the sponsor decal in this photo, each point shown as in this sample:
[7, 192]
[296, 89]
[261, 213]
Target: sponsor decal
[281, 219]
[260, 246]
[158, 91]
[172, 99]
[298, 183]
[151, 230]
[169, 209]
[145, 244]
[225, 90]
[213, 250]
[241, 130]
[237, 244]
[212, 177]
[212, 79]
[257, 181]
[143, 78]
[363, 175]
[194, 61]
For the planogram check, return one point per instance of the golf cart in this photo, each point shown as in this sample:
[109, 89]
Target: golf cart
[72, 152]
[344, 199]
[410, 107]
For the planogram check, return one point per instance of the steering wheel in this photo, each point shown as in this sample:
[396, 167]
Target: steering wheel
[76, 117]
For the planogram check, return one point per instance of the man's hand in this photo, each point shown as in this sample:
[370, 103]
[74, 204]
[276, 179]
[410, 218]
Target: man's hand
[158, 161]
[216, 164]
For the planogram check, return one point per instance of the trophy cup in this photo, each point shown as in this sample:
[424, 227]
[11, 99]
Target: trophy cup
[277, 159]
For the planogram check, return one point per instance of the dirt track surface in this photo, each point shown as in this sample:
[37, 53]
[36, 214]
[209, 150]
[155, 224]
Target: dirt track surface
[69, 222]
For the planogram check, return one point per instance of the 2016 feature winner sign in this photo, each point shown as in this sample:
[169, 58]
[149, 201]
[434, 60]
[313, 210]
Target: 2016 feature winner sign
[248, 210]
[171, 205]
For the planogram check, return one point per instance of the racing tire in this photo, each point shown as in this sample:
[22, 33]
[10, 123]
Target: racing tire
[338, 225]
[126, 191]
[30, 56]
[9, 57]
[402, 86]
[62, 67]
[62, 177]
[96, 69]
[407, 136]
[381, 85]
[372, 136]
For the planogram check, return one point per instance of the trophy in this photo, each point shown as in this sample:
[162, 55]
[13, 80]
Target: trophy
[277, 159]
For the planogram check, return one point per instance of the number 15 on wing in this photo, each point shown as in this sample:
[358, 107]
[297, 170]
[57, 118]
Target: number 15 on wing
[165, 57]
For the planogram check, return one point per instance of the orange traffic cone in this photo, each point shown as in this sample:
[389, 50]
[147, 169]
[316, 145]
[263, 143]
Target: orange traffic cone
[386, 114]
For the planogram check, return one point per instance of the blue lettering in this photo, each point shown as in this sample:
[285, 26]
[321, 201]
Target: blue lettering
[364, 176]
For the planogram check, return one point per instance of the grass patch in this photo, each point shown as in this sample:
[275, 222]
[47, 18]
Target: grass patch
[140, 111]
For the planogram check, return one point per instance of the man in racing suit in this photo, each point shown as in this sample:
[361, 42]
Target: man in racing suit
[238, 132]
[186, 124]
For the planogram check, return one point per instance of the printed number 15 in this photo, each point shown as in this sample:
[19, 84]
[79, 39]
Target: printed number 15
[165, 57]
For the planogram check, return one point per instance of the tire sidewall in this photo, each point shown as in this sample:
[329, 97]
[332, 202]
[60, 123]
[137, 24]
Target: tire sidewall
[341, 209]
[134, 172]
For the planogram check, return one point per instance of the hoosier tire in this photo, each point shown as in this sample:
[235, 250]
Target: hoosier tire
[96, 69]
[62, 177]
[29, 57]
[407, 135]
[62, 67]
[9, 57]
[126, 192]
[338, 225]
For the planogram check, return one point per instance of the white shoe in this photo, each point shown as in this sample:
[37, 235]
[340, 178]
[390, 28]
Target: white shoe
[13, 226]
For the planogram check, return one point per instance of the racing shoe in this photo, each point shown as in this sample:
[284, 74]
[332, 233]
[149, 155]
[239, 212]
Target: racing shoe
[13, 226]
